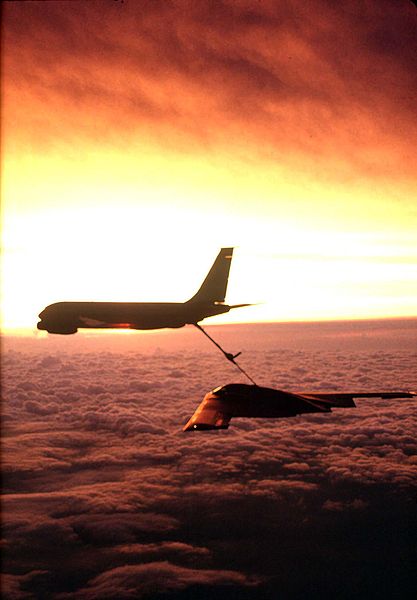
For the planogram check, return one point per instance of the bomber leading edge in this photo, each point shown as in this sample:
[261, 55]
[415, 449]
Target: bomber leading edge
[67, 317]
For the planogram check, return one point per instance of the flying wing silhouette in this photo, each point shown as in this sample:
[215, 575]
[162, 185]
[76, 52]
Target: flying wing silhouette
[242, 400]
[67, 317]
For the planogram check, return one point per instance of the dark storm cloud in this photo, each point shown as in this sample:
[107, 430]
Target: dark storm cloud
[11, 585]
[138, 581]
[106, 497]
[305, 78]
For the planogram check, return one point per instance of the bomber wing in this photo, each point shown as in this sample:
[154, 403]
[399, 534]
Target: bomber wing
[343, 395]
[345, 399]
[209, 415]
[242, 400]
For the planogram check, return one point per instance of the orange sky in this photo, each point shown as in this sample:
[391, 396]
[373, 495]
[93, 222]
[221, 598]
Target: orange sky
[138, 138]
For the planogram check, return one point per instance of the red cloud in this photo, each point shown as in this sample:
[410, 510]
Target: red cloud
[306, 81]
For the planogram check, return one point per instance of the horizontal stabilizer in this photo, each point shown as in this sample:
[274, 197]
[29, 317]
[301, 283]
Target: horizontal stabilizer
[240, 305]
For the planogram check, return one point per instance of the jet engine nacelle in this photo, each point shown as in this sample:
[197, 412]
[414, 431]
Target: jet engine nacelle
[62, 330]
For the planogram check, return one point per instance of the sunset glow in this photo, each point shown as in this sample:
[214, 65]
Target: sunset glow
[138, 139]
[150, 150]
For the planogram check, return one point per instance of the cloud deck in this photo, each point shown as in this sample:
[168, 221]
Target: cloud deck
[104, 494]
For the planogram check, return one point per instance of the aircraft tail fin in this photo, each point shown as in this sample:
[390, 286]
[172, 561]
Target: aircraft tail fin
[213, 288]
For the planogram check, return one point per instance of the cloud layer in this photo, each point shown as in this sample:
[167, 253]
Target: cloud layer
[105, 497]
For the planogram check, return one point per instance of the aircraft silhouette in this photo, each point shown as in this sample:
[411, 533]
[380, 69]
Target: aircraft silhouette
[242, 400]
[67, 317]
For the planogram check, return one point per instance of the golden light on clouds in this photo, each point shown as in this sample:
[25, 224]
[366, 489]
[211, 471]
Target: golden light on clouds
[138, 139]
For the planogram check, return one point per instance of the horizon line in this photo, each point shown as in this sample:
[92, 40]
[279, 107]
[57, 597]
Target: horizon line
[33, 332]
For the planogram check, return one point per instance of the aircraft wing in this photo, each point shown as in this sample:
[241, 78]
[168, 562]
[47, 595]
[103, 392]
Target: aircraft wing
[344, 399]
[242, 400]
[91, 322]
[94, 323]
[209, 415]
[343, 395]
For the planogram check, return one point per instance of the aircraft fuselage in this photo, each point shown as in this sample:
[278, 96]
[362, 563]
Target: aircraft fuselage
[67, 317]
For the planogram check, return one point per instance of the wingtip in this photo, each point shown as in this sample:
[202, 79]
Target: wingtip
[195, 426]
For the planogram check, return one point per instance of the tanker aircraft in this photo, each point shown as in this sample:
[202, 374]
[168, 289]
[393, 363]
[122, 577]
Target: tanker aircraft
[243, 400]
[67, 317]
